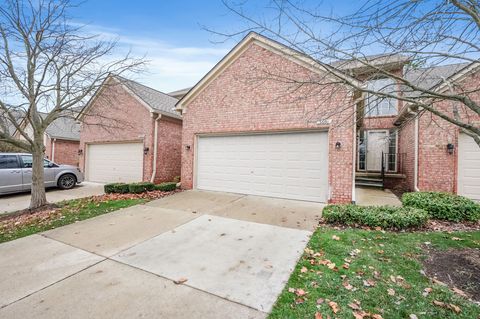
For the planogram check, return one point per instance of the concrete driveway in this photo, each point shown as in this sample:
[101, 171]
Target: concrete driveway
[14, 202]
[233, 252]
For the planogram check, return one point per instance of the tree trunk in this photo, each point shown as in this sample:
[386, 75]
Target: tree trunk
[38, 198]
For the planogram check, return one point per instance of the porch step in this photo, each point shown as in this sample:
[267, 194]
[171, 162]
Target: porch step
[369, 181]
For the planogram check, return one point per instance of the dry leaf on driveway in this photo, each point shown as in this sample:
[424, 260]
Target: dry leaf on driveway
[180, 281]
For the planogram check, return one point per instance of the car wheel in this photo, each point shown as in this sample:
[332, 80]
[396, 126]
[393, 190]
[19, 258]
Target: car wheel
[67, 181]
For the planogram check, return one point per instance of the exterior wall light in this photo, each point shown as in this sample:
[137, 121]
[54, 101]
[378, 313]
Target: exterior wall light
[450, 148]
[145, 150]
[338, 145]
[187, 147]
[80, 152]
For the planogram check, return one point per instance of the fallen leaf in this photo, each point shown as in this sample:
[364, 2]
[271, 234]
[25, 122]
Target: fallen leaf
[320, 301]
[331, 265]
[347, 285]
[426, 291]
[459, 292]
[439, 303]
[299, 301]
[292, 290]
[455, 308]
[180, 281]
[303, 270]
[300, 292]
[318, 315]
[413, 316]
[354, 306]
[369, 283]
[457, 239]
[359, 314]
[345, 266]
[391, 292]
[377, 316]
[334, 237]
[334, 306]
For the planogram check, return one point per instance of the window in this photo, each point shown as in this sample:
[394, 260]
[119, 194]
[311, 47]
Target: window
[362, 145]
[8, 161]
[377, 105]
[28, 161]
[392, 151]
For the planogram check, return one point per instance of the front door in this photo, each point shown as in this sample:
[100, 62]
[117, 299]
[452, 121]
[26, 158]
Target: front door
[377, 142]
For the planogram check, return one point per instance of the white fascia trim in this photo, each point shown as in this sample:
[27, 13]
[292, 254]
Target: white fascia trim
[155, 145]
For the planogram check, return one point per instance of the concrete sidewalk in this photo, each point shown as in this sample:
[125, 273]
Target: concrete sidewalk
[15, 202]
[124, 264]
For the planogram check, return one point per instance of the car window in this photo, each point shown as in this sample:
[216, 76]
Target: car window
[8, 161]
[28, 160]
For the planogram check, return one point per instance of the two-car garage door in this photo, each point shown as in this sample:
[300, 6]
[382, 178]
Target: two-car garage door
[286, 165]
[114, 162]
[468, 167]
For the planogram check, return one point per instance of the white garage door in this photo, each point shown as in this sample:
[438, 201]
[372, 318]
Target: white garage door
[468, 167]
[286, 165]
[122, 162]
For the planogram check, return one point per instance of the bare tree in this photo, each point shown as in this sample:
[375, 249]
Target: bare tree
[424, 34]
[49, 68]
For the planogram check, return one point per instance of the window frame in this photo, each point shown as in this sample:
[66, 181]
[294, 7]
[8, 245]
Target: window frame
[392, 102]
[17, 160]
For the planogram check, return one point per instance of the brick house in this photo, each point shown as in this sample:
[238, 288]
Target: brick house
[130, 133]
[61, 138]
[249, 129]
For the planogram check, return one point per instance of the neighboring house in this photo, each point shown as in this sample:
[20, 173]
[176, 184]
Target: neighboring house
[130, 133]
[61, 138]
[62, 141]
[247, 129]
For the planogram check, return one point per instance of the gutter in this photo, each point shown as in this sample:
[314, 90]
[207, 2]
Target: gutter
[354, 157]
[155, 145]
[53, 149]
[415, 166]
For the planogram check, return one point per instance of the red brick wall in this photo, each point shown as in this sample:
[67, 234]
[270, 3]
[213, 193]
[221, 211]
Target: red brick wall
[66, 152]
[437, 168]
[252, 94]
[169, 149]
[406, 145]
[117, 116]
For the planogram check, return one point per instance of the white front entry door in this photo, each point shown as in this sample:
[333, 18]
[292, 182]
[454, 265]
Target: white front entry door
[377, 142]
[468, 167]
[286, 165]
[114, 162]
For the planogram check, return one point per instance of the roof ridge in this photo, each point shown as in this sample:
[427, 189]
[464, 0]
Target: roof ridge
[145, 86]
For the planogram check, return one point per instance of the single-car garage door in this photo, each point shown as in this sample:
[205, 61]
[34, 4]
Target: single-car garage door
[468, 167]
[286, 165]
[119, 162]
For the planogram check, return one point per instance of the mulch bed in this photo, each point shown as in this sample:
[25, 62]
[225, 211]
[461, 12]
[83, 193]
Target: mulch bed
[52, 211]
[457, 268]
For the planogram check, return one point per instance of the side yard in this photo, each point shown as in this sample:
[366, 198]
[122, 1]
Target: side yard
[421, 260]
[353, 273]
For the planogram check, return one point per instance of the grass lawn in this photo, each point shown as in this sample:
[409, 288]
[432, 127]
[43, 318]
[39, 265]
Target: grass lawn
[69, 212]
[372, 271]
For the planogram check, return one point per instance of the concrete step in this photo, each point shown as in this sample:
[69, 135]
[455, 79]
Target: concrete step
[369, 183]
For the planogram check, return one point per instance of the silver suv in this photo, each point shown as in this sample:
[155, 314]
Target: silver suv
[16, 173]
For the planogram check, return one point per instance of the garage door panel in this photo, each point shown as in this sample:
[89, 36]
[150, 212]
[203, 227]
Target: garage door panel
[116, 162]
[468, 167]
[287, 165]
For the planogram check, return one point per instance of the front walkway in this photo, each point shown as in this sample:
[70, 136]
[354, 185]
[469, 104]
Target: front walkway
[370, 196]
[233, 253]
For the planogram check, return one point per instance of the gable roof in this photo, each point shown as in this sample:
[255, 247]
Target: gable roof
[384, 61]
[65, 128]
[157, 100]
[153, 100]
[178, 94]
[266, 43]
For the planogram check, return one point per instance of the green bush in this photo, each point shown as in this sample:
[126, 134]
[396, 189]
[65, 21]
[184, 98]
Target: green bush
[166, 187]
[137, 188]
[375, 216]
[443, 205]
[121, 188]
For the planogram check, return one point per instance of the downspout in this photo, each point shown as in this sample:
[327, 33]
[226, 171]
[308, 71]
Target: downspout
[155, 146]
[53, 150]
[415, 165]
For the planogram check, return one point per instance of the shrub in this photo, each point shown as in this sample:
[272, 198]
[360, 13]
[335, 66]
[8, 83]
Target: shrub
[375, 216]
[443, 205]
[121, 188]
[166, 187]
[137, 188]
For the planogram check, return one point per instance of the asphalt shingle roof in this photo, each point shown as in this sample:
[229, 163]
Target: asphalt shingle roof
[155, 99]
[64, 128]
